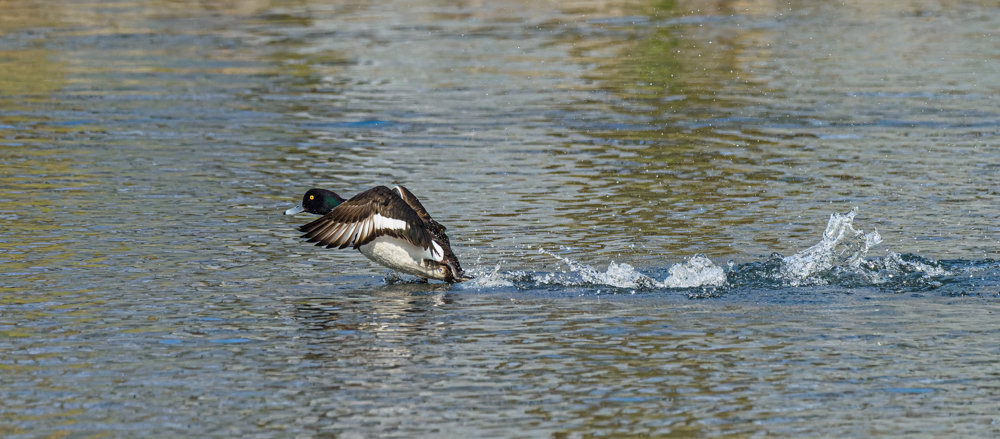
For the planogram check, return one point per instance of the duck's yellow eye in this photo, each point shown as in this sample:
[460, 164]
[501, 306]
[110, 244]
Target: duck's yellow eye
[312, 197]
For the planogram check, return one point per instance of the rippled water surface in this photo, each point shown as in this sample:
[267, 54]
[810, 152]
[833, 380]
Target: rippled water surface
[691, 218]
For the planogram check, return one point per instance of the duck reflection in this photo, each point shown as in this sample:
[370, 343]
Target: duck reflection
[374, 326]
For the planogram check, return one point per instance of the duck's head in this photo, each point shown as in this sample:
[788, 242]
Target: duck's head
[318, 201]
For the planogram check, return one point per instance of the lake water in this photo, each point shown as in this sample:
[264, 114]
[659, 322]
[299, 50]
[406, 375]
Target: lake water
[691, 218]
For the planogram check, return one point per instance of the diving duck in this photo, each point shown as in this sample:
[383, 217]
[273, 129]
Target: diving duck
[389, 226]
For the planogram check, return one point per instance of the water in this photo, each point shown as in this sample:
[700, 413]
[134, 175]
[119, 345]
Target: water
[686, 218]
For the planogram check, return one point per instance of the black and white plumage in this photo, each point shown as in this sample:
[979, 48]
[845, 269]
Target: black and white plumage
[389, 226]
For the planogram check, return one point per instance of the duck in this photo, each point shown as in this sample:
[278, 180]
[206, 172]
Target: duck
[389, 226]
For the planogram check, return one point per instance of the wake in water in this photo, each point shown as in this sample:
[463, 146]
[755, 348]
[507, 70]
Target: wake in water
[840, 258]
[696, 271]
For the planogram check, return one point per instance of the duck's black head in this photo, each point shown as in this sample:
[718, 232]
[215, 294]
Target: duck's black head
[318, 201]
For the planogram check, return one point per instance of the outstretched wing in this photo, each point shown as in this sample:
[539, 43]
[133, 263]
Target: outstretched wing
[376, 212]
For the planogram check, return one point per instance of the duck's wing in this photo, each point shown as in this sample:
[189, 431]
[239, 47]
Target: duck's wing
[378, 211]
[412, 201]
[436, 229]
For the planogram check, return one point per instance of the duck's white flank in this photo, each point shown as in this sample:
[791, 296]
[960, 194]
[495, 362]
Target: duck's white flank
[401, 255]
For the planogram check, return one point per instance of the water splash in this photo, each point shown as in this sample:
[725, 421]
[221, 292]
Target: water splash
[697, 271]
[842, 246]
[491, 279]
[840, 258]
[902, 271]
[617, 275]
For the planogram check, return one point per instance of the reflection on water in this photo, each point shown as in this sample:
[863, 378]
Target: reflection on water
[598, 164]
